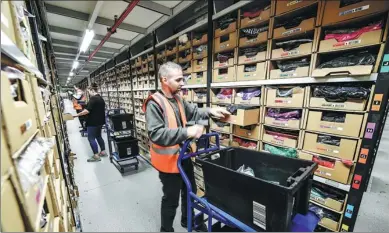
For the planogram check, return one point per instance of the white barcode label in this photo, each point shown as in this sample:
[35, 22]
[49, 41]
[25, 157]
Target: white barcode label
[129, 151]
[124, 125]
[259, 215]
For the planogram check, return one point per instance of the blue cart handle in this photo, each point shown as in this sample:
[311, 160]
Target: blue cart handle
[203, 138]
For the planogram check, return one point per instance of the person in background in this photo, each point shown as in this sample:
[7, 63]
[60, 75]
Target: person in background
[166, 116]
[95, 110]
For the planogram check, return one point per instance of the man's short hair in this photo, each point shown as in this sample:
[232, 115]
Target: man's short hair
[165, 69]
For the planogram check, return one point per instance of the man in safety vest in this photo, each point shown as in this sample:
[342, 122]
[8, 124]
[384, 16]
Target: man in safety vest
[166, 116]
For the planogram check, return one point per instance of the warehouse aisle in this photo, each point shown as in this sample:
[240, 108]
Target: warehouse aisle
[110, 201]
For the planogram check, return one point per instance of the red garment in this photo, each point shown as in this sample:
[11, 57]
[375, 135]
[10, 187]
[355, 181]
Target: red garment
[355, 34]
[251, 14]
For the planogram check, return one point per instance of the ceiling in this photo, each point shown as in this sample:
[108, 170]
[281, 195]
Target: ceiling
[68, 21]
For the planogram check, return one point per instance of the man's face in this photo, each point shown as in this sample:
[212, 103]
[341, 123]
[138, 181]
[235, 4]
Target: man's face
[174, 81]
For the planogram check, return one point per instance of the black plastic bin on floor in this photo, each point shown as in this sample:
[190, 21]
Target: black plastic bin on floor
[266, 202]
[121, 121]
[126, 147]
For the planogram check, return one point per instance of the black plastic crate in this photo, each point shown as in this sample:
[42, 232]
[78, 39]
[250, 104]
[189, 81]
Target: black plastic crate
[266, 202]
[122, 121]
[126, 147]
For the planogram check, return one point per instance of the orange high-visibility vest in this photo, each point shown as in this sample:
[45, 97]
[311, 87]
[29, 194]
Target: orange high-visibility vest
[164, 158]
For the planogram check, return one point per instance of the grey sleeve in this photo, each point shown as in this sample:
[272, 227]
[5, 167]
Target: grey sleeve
[158, 132]
[193, 113]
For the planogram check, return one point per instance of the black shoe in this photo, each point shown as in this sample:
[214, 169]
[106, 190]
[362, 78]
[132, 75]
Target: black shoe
[201, 228]
[164, 230]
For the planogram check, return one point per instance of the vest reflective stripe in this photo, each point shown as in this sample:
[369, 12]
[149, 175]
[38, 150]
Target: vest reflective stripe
[164, 158]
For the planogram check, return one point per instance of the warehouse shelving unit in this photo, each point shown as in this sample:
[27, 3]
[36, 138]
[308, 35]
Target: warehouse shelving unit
[206, 76]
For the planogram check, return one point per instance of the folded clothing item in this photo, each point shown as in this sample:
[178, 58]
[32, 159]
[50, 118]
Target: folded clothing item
[249, 93]
[185, 53]
[282, 151]
[282, 133]
[224, 93]
[329, 140]
[252, 51]
[352, 33]
[233, 108]
[201, 93]
[245, 143]
[225, 21]
[322, 191]
[254, 12]
[295, 21]
[350, 59]
[201, 48]
[198, 35]
[292, 64]
[223, 57]
[284, 92]
[252, 32]
[340, 93]
[221, 124]
[186, 65]
[322, 161]
[283, 114]
[250, 68]
[338, 117]
[322, 213]
[292, 44]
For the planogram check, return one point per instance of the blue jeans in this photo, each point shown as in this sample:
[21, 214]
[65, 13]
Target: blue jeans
[94, 134]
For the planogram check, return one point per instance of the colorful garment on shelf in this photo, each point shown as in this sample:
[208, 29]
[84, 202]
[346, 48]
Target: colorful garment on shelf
[223, 57]
[322, 192]
[292, 64]
[281, 133]
[292, 44]
[225, 93]
[329, 140]
[283, 114]
[254, 12]
[350, 59]
[287, 152]
[322, 213]
[245, 143]
[249, 93]
[233, 108]
[340, 93]
[342, 35]
[252, 32]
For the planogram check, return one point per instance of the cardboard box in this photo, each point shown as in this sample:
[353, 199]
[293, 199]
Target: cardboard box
[258, 74]
[296, 101]
[6, 161]
[224, 75]
[199, 99]
[244, 117]
[354, 105]
[225, 129]
[202, 54]
[216, 100]
[223, 142]
[18, 116]
[230, 62]
[235, 144]
[38, 101]
[339, 173]
[67, 117]
[346, 150]
[7, 20]
[246, 42]
[301, 50]
[11, 217]
[290, 5]
[198, 78]
[249, 132]
[277, 140]
[189, 69]
[334, 13]
[365, 39]
[329, 224]
[187, 94]
[246, 22]
[299, 72]
[329, 202]
[305, 26]
[172, 51]
[185, 46]
[200, 65]
[350, 127]
[202, 40]
[290, 123]
[243, 59]
[252, 101]
[188, 58]
[226, 42]
[221, 32]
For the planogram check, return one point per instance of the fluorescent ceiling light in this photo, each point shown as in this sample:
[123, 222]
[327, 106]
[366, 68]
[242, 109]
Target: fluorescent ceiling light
[75, 65]
[71, 73]
[89, 34]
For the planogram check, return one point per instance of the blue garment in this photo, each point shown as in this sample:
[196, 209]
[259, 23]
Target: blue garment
[94, 133]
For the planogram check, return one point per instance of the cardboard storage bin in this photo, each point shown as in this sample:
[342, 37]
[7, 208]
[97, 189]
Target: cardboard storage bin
[258, 74]
[188, 58]
[224, 75]
[305, 26]
[352, 125]
[279, 139]
[299, 72]
[226, 42]
[200, 65]
[198, 78]
[223, 142]
[340, 172]
[291, 5]
[347, 149]
[199, 55]
[334, 12]
[199, 98]
[247, 42]
[262, 17]
[202, 40]
[18, 116]
[252, 132]
[216, 100]
[188, 68]
[329, 224]
[296, 101]
[244, 59]
[185, 46]
[187, 94]
[173, 50]
[11, 216]
[350, 104]
[244, 117]
[225, 129]
[224, 31]
[252, 101]
[230, 62]
[301, 50]
[290, 123]
[331, 203]
[38, 101]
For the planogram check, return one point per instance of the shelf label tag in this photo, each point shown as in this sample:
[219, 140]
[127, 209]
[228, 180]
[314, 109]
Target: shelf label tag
[357, 181]
[370, 130]
[363, 155]
[377, 102]
[344, 228]
[349, 211]
[362, 8]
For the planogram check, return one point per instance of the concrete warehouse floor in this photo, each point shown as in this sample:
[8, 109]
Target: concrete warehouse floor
[132, 202]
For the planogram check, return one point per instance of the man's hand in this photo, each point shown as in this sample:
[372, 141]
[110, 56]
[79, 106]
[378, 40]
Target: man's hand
[195, 131]
[219, 113]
